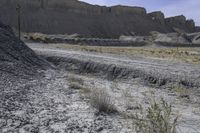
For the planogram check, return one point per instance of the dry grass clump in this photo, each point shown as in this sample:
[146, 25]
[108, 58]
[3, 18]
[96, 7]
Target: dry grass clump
[102, 101]
[130, 103]
[75, 86]
[98, 98]
[157, 119]
[75, 83]
[73, 79]
[181, 91]
[78, 84]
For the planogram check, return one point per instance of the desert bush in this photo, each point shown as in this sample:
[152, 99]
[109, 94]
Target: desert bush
[157, 119]
[102, 102]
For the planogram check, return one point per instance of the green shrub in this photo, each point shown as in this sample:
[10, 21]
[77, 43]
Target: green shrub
[157, 119]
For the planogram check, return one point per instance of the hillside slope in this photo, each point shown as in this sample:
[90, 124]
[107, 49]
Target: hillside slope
[72, 16]
[16, 59]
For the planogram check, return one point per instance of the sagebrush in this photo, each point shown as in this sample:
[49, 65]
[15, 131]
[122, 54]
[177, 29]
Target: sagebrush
[157, 119]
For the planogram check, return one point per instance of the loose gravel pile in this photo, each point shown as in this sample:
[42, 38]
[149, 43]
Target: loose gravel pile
[16, 59]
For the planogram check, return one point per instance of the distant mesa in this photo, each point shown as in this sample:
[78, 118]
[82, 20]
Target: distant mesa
[73, 16]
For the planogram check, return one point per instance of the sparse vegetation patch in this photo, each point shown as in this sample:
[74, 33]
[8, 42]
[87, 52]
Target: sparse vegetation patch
[181, 91]
[187, 54]
[157, 119]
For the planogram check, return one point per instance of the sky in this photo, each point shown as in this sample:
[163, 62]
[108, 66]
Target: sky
[188, 8]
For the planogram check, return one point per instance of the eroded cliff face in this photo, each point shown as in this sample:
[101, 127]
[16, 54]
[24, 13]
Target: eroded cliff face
[174, 22]
[190, 24]
[158, 16]
[72, 16]
[127, 10]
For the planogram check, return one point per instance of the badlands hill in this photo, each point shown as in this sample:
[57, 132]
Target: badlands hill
[72, 16]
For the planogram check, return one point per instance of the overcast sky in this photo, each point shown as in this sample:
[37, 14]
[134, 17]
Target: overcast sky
[189, 8]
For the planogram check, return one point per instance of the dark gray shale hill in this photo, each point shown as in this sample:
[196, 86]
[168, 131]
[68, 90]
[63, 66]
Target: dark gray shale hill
[72, 16]
[16, 59]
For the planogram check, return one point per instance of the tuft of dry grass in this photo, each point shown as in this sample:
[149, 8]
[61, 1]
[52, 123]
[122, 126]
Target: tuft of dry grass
[75, 86]
[76, 80]
[78, 84]
[102, 101]
[181, 91]
[75, 83]
[98, 98]
[129, 100]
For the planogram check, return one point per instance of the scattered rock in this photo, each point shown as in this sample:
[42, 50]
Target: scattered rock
[170, 38]
[158, 16]
[195, 37]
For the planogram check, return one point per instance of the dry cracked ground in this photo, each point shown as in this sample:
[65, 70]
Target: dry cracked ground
[60, 101]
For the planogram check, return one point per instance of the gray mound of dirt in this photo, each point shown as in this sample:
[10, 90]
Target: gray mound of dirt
[16, 59]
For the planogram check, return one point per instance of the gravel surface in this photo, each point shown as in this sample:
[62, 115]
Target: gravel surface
[47, 104]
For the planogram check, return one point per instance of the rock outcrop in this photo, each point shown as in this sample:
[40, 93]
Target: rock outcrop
[195, 37]
[190, 24]
[73, 16]
[177, 20]
[157, 16]
[182, 23]
[170, 38]
[197, 28]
